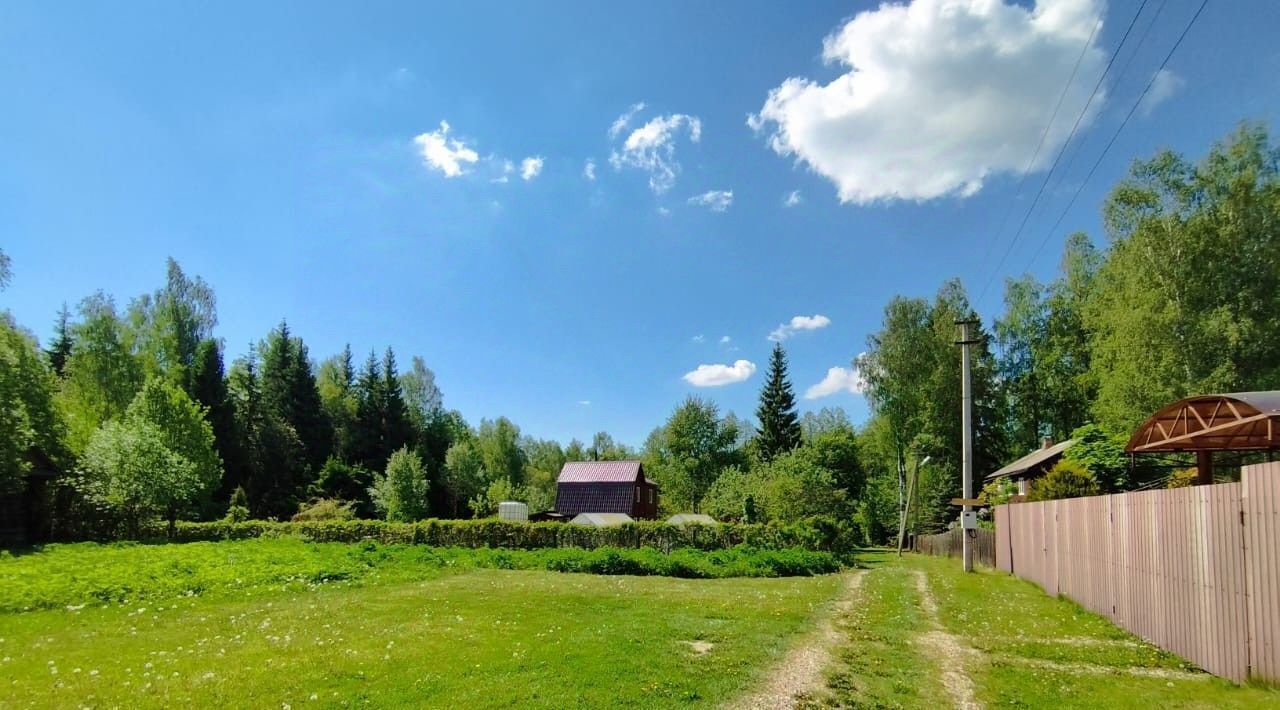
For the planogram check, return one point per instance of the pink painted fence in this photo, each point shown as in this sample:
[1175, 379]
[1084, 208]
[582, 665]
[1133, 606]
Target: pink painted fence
[1193, 570]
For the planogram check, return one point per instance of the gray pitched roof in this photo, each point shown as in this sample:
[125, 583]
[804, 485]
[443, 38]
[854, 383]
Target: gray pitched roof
[1032, 460]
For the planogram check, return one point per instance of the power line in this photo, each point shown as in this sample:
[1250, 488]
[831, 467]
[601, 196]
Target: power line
[1075, 127]
[1116, 135]
[1044, 134]
[1066, 170]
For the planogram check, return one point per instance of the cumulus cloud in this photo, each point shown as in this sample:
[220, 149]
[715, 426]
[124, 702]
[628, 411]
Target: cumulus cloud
[792, 199]
[838, 379]
[937, 96]
[530, 167]
[699, 338]
[585, 402]
[725, 340]
[589, 169]
[448, 155]
[715, 200]
[652, 147]
[664, 211]
[1163, 86]
[797, 324]
[718, 375]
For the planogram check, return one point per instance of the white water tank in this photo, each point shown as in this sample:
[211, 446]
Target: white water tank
[513, 510]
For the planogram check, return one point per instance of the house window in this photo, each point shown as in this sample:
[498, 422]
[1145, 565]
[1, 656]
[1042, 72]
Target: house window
[637, 495]
[650, 496]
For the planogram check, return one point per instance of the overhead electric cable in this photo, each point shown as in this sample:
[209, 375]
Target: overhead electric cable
[1043, 134]
[1133, 109]
[1075, 127]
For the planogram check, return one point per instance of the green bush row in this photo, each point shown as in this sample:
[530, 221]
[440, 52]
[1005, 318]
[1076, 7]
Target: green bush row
[73, 575]
[823, 534]
[693, 564]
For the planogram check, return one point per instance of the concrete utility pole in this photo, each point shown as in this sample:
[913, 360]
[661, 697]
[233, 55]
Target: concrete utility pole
[966, 427]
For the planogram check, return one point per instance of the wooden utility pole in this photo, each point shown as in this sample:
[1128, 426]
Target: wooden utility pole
[966, 427]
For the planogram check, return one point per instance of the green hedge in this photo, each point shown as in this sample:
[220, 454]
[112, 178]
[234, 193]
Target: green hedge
[821, 534]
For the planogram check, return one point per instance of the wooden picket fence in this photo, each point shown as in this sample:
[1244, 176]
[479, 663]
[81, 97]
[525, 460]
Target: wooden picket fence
[951, 544]
[1194, 570]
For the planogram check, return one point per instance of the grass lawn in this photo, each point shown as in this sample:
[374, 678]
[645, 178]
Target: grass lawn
[273, 628]
[1019, 647]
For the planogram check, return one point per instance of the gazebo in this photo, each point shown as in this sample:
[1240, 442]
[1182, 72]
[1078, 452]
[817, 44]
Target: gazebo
[1236, 421]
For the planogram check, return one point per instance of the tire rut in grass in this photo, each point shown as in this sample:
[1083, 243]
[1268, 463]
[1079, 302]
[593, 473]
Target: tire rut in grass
[802, 669]
[951, 653]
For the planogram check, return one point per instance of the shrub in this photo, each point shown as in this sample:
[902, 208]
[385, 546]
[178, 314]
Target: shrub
[828, 535]
[238, 510]
[1182, 478]
[1066, 479]
[325, 509]
[401, 492]
[1101, 454]
[999, 491]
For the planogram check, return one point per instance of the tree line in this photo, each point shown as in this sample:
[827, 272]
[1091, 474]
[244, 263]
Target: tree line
[139, 408]
[1181, 299]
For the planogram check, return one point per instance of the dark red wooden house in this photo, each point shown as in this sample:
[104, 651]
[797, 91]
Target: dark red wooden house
[606, 487]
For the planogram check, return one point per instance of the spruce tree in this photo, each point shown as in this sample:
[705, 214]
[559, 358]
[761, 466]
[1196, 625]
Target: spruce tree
[779, 424]
[60, 349]
[397, 428]
[367, 428]
[208, 387]
[289, 390]
[273, 462]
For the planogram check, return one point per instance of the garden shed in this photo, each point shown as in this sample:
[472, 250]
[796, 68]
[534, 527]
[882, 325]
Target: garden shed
[606, 487]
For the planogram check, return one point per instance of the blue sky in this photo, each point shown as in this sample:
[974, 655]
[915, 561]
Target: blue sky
[278, 151]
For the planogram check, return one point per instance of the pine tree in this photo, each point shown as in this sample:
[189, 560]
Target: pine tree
[60, 349]
[779, 424]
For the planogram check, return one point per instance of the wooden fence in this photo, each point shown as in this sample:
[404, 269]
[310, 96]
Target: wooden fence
[951, 544]
[1193, 570]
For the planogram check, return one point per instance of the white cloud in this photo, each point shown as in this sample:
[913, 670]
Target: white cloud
[838, 379]
[718, 375]
[621, 122]
[589, 169]
[699, 338]
[444, 153]
[664, 211]
[530, 167]
[1163, 86]
[725, 340]
[652, 147]
[585, 402]
[792, 199]
[938, 96]
[716, 200]
[797, 324]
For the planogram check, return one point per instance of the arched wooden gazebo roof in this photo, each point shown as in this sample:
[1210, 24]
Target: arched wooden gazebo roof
[1237, 421]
